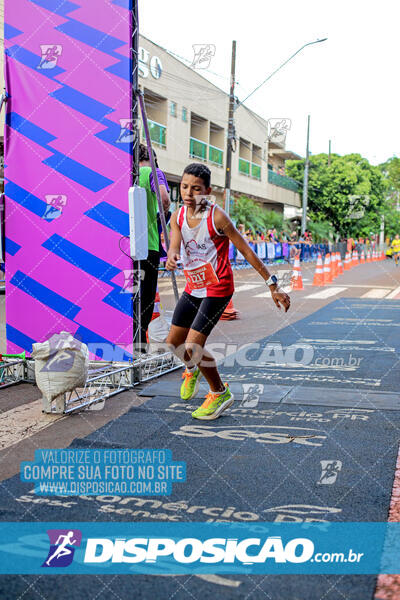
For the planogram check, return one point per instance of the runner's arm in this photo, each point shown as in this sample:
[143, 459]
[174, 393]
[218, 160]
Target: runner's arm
[224, 225]
[165, 198]
[175, 244]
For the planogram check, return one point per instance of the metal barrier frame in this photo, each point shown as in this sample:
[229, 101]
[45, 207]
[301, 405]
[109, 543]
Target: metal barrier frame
[108, 379]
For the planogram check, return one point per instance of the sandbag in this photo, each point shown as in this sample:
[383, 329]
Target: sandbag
[61, 364]
[159, 328]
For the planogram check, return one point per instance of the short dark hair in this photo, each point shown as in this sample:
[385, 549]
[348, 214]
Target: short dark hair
[199, 170]
[144, 154]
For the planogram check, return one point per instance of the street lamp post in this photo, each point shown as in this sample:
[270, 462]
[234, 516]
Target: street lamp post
[278, 69]
[236, 106]
[305, 184]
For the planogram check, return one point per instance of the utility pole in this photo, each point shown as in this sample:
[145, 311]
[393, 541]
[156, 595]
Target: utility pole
[230, 131]
[329, 154]
[305, 184]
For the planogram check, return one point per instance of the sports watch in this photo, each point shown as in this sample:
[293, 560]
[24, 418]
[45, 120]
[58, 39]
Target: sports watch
[273, 280]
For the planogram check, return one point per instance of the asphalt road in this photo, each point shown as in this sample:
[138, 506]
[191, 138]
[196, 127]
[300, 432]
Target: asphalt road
[24, 429]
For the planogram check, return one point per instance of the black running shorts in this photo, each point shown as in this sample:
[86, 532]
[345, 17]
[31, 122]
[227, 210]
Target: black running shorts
[200, 314]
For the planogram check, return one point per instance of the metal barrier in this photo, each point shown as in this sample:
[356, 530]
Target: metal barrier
[15, 371]
[106, 379]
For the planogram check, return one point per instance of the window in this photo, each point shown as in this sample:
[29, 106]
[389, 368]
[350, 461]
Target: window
[184, 114]
[172, 108]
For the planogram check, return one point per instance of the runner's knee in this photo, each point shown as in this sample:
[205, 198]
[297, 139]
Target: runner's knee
[193, 352]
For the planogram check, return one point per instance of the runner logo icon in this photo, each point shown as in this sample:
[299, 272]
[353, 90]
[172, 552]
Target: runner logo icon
[62, 547]
[50, 55]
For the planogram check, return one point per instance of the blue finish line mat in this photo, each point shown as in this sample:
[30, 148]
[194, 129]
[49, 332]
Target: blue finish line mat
[269, 463]
[348, 344]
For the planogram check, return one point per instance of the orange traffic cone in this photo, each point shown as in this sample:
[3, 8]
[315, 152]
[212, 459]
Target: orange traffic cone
[355, 258]
[347, 262]
[230, 313]
[319, 272]
[327, 269]
[369, 259]
[339, 263]
[297, 279]
[157, 306]
[362, 259]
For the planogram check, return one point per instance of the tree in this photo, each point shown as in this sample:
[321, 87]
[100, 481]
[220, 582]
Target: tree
[349, 193]
[247, 212]
[391, 173]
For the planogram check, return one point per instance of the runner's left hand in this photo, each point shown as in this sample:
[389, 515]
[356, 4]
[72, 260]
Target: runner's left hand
[281, 298]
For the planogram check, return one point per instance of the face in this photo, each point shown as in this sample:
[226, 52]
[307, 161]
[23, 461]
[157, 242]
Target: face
[192, 186]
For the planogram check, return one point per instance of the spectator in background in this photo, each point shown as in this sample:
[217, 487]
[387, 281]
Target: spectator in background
[308, 236]
[149, 267]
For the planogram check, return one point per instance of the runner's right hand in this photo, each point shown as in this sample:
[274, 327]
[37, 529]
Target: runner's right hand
[281, 298]
[172, 261]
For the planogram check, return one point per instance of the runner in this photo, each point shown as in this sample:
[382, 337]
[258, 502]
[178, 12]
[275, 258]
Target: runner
[200, 234]
[396, 249]
[62, 549]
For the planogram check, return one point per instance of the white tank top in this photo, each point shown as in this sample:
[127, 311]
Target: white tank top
[205, 255]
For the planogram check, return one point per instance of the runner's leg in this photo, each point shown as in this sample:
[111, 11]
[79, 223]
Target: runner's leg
[196, 354]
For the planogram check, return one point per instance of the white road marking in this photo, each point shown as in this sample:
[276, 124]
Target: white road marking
[358, 285]
[24, 421]
[326, 293]
[393, 294]
[217, 579]
[267, 294]
[247, 287]
[220, 580]
[347, 341]
[376, 293]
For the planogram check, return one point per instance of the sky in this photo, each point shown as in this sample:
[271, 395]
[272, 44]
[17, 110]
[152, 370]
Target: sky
[349, 84]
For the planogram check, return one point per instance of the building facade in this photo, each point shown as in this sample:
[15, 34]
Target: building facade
[188, 122]
[188, 117]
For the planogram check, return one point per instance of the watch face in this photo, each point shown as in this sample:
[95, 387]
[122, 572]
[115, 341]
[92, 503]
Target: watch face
[274, 279]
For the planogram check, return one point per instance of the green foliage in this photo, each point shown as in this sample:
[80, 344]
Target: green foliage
[320, 230]
[347, 187]
[391, 173]
[255, 218]
[392, 218]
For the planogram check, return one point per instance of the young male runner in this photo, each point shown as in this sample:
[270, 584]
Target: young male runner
[200, 235]
[396, 248]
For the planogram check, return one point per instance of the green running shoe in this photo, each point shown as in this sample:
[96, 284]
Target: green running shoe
[214, 405]
[190, 385]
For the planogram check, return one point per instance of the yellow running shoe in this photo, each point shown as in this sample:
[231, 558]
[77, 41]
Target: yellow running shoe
[190, 385]
[214, 404]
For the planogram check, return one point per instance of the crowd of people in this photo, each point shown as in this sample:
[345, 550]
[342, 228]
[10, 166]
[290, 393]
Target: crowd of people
[273, 236]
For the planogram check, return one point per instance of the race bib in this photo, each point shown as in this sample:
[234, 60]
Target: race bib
[202, 277]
